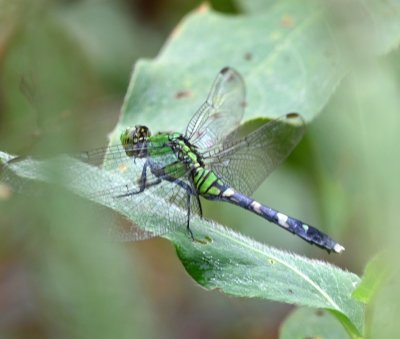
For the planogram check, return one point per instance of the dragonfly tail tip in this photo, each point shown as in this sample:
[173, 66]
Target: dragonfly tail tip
[338, 248]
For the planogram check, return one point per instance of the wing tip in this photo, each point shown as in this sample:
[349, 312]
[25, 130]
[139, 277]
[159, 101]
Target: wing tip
[225, 70]
[292, 115]
[295, 118]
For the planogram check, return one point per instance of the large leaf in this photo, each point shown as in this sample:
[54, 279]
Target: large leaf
[292, 56]
[222, 259]
[287, 56]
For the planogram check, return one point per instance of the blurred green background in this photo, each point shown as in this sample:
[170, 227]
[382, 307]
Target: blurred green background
[64, 70]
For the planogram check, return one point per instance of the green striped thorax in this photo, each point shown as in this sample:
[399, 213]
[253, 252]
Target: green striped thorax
[139, 143]
[169, 153]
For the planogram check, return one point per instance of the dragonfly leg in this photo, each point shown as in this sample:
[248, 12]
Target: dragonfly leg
[189, 197]
[143, 183]
[200, 208]
[190, 193]
[143, 178]
[181, 183]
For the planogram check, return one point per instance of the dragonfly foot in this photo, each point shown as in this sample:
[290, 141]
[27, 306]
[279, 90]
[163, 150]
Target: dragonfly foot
[190, 233]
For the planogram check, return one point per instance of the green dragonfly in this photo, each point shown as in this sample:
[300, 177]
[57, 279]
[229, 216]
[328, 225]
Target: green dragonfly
[210, 160]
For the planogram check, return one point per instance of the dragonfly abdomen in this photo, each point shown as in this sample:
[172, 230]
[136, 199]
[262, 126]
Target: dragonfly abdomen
[301, 229]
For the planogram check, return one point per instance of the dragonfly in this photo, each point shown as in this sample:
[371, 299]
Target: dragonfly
[211, 160]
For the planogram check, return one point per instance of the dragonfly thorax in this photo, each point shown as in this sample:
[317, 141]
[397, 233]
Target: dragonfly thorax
[134, 141]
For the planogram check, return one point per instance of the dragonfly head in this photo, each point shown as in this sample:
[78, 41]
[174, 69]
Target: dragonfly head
[134, 140]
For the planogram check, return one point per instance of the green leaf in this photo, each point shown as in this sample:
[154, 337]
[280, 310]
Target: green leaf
[287, 56]
[220, 259]
[292, 58]
[376, 273]
[242, 267]
[311, 323]
[375, 23]
[384, 314]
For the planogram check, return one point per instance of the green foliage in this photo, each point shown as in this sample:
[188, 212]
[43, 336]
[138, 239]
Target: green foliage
[311, 323]
[287, 57]
[293, 56]
[243, 267]
[375, 275]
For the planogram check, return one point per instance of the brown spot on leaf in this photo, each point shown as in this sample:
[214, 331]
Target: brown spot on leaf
[287, 21]
[183, 94]
[248, 56]
[216, 115]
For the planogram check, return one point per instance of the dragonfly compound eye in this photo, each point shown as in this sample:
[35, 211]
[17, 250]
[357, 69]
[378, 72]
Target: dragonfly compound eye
[134, 141]
[141, 132]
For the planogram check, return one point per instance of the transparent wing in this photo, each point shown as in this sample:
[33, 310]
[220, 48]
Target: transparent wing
[245, 163]
[221, 113]
[109, 156]
[159, 209]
